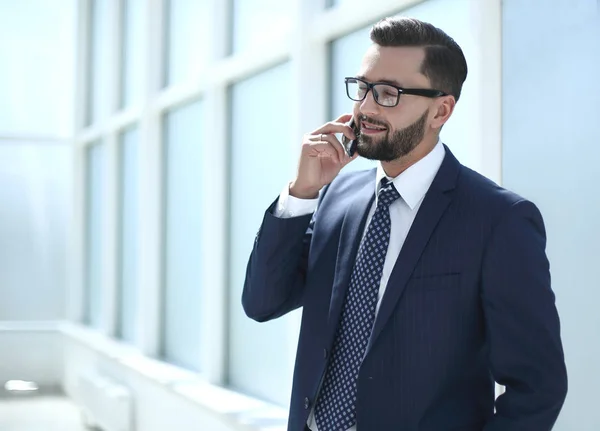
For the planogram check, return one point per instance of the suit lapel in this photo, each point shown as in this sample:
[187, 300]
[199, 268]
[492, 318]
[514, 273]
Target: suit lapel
[351, 234]
[434, 205]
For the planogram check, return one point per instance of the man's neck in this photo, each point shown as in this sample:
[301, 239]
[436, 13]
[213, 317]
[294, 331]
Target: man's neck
[396, 167]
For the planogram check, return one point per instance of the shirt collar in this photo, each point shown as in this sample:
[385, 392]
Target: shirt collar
[413, 183]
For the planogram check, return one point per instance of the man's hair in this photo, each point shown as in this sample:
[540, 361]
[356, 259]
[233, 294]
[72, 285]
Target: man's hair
[444, 62]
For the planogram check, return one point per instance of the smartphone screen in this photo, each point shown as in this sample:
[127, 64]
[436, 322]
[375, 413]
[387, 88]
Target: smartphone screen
[350, 145]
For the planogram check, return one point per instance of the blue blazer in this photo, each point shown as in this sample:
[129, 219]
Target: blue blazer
[468, 303]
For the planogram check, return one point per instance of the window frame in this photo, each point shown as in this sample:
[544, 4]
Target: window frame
[307, 47]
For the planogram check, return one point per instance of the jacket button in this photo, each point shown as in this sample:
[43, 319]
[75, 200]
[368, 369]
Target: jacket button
[306, 403]
[324, 353]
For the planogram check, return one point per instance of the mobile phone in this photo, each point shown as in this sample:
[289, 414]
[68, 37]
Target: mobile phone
[350, 145]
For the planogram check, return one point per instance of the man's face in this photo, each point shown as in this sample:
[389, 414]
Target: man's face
[389, 133]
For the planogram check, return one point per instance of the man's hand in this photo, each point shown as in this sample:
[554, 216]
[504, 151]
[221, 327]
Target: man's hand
[321, 159]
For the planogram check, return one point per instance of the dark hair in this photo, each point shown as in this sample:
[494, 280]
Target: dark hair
[444, 62]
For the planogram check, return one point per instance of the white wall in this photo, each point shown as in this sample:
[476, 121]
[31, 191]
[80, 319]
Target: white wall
[31, 352]
[34, 192]
[157, 408]
[550, 154]
[35, 184]
[165, 397]
[37, 48]
[36, 115]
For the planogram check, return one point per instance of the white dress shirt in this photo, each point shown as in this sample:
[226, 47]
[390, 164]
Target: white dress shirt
[412, 185]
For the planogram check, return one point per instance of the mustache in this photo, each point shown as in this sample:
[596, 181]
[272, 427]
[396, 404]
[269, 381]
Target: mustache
[372, 121]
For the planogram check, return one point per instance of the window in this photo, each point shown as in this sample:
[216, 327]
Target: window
[261, 355]
[345, 59]
[128, 224]
[188, 39]
[132, 71]
[173, 297]
[258, 21]
[99, 40]
[455, 18]
[94, 233]
[37, 49]
[183, 220]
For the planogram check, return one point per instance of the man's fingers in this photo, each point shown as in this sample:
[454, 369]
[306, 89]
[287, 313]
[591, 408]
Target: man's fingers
[334, 127]
[323, 148]
[335, 143]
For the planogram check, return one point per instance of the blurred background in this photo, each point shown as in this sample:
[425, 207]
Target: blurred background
[142, 140]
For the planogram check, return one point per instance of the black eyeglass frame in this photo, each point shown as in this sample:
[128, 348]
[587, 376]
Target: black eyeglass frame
[425, 92]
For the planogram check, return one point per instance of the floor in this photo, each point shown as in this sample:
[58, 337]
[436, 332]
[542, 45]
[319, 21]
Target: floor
[39, 413]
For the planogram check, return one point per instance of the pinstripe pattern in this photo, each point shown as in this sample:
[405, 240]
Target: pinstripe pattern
[336, 407]
[468, 302]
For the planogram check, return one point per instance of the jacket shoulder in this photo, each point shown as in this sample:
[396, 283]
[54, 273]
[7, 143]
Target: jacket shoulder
[483, 195]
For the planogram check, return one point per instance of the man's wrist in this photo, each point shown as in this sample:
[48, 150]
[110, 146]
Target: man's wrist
[302, 192]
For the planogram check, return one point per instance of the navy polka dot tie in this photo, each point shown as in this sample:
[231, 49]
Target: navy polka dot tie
[335, 409]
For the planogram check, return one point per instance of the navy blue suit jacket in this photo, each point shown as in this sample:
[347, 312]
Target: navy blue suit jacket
[468, 303]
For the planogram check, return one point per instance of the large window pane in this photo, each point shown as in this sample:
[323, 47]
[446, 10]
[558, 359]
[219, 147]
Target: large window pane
[455, 18]
[99, 86]
[94, 225]
[260, 355]
[37, 51]
[133, 71]
[129, 223]
[255, 22]
[188, 39]
[346, 56]
[183, 217]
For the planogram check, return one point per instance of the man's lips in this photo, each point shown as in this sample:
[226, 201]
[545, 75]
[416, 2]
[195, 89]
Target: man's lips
[371, 129]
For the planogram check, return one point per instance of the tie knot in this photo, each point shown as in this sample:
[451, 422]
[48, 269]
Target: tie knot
[387, 193]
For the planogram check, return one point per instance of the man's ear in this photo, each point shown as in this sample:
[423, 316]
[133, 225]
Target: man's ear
[445, 107]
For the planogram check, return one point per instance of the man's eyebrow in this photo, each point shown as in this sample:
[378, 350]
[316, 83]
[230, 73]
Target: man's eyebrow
[386, 81]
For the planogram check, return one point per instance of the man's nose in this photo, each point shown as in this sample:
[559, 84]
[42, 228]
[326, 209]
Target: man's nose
[368, 105]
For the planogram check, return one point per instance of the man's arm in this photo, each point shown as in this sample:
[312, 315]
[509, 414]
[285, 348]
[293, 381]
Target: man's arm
[276, 271]
[523, 328]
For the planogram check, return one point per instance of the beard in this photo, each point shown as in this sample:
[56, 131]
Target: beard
[394, 146]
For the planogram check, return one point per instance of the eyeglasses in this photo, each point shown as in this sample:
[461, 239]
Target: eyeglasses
[385, 94]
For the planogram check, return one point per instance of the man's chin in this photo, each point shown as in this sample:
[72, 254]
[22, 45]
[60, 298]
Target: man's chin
[369, 149]
[370, 155]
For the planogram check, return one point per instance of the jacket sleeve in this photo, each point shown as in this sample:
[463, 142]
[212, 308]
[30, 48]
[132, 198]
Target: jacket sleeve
[522, 323]
[276, 271]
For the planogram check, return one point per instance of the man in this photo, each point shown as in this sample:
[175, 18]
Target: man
[421, 281]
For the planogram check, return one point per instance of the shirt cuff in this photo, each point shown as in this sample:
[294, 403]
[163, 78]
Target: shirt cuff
[290, 206]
